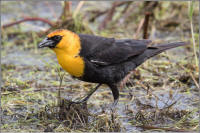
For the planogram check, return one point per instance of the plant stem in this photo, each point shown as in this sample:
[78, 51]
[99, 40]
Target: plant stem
[192, 31]
[194, 44]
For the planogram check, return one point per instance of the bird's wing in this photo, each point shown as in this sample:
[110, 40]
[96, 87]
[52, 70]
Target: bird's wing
[107, 51]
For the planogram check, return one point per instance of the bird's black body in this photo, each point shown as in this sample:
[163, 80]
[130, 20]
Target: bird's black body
[108, 61]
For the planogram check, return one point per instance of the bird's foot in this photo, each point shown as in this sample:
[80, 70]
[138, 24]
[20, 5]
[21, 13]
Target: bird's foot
[82, 102]
[113, 107]
[113, 110]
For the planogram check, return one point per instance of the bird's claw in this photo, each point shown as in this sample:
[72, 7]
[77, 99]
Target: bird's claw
[76, 102]
[79, 102]
[113, 107]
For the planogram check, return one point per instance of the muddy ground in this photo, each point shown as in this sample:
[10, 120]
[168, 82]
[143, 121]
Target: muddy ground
[162, 94]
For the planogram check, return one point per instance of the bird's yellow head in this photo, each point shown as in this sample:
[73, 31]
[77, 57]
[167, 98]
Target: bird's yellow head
[61, 40]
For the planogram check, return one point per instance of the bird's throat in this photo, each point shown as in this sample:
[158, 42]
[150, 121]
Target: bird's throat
[73, 64]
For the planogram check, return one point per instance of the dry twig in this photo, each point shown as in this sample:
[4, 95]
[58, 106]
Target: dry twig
[80, 4]
[28, 19]
[110, 14]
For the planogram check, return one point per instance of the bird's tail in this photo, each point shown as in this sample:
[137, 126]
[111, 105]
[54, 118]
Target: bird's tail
[154, 50]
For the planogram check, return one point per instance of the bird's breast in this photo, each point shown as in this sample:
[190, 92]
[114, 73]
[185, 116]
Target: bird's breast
[74, 65]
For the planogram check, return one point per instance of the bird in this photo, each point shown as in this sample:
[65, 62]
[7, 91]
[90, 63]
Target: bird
[101, 60]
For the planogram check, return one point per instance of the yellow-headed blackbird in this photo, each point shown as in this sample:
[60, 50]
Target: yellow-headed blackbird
[101, 60]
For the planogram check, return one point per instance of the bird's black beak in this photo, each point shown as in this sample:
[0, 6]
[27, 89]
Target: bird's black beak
[46, 43]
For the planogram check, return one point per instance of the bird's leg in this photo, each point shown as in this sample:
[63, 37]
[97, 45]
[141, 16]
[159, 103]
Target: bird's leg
[115, 103]
[88, 96]
[115, 93]
[124, 81]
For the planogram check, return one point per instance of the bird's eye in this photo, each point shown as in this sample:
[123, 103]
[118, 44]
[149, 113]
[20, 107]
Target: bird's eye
[56, 38]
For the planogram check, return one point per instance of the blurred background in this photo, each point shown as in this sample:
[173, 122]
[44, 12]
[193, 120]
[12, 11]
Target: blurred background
[161, 95]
